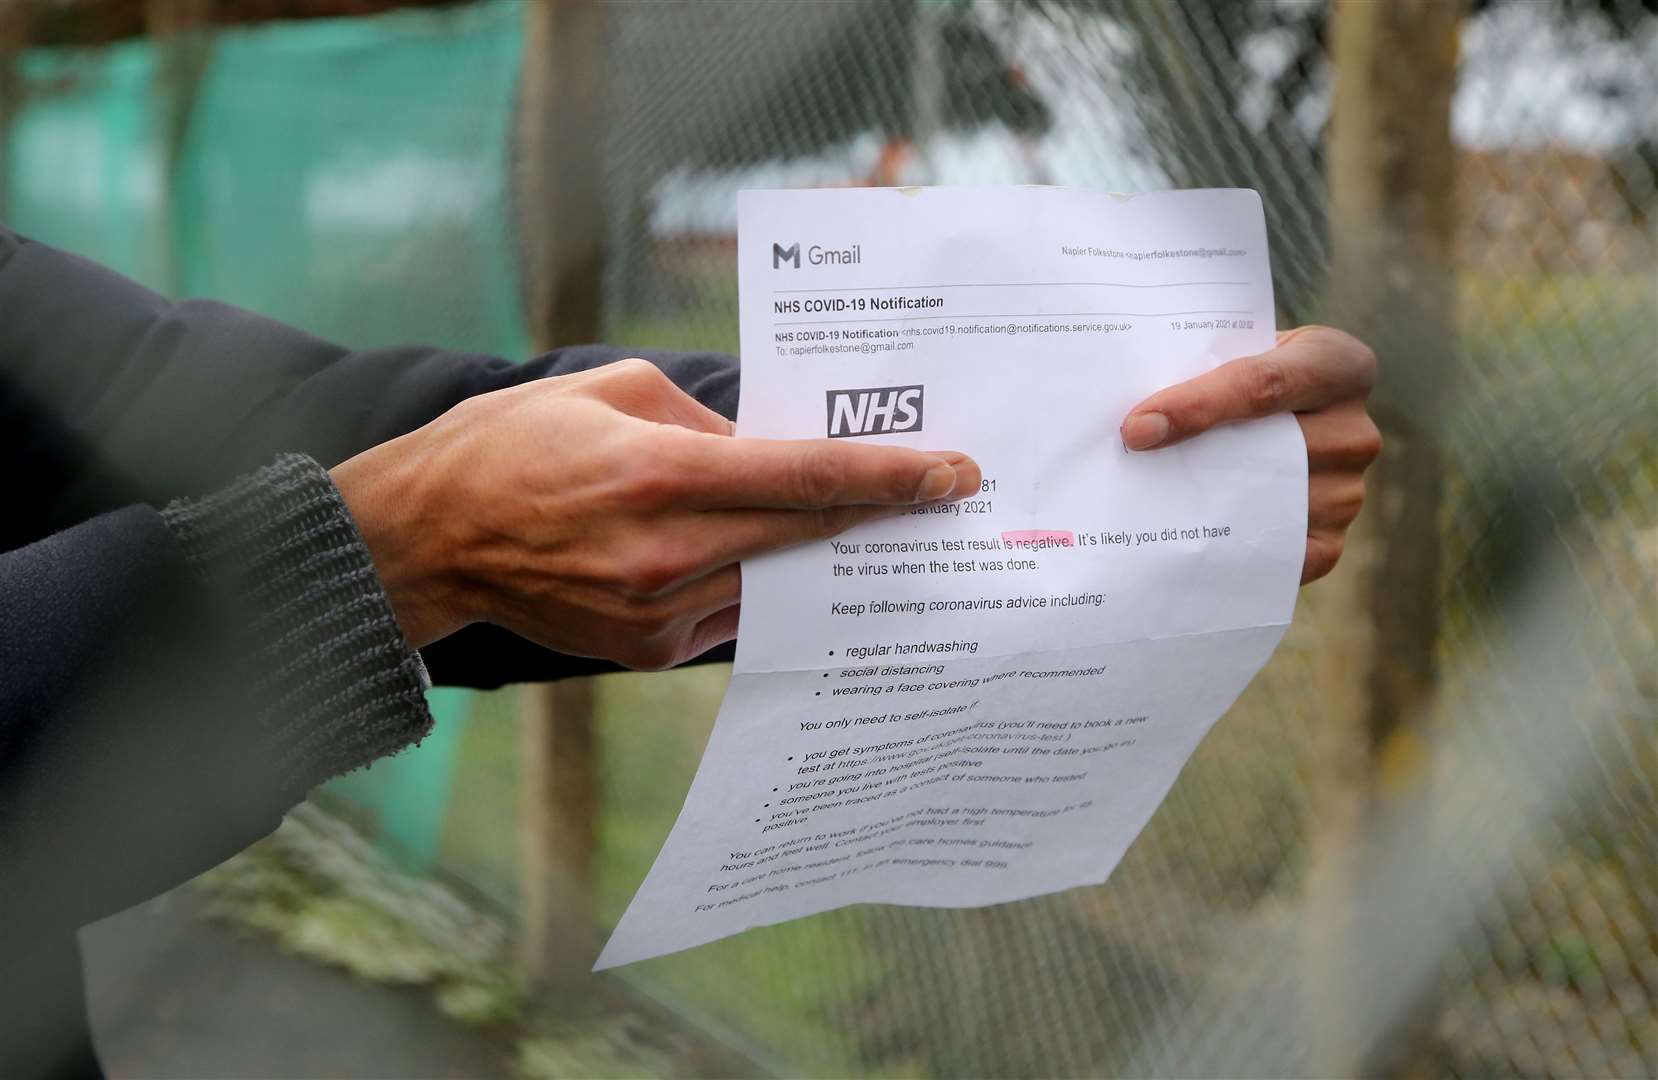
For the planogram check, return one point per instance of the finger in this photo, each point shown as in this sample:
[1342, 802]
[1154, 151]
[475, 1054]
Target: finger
[716, 629]
[724, 537]
[1323, 551]
[743, 534]
[705, 543]
[1334, 499]
[814, 474]
[668, 623]
[688, 412]
[701, 597]
[1340, 437]
[1309, 369]
[660, 630]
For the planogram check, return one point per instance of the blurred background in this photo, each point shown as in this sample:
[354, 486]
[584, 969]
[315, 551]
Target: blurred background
[1426, 840]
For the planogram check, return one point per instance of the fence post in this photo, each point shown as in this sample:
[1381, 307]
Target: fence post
[561, 215]
[181, 35]
[14, 34]
[1391, 169]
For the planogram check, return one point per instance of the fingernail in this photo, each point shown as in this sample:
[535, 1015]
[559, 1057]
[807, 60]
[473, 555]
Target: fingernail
[936, 483]
[1146, 430]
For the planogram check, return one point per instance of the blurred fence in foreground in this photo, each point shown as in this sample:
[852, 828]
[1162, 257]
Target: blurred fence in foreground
[1516, 926]
[1484, 900]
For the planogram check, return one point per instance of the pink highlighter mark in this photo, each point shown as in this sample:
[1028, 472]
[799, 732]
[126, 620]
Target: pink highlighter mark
[1038, 538]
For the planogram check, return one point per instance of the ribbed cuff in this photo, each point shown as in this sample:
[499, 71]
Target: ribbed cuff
[333, 681]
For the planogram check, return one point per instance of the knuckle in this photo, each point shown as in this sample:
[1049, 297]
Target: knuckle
[470, 409]
[652, 468]
[819, 476]
[1367, 441]
[832, 520]
[1350, 501]
[649, 616]
[634, 382]
[629, 615]
[1266, 384]
[1335, 503]
[651, 475]
[649, 655]
[1323, 552]
[1364, 361]
[1345, 356]
[639, 571]
[900, 481]
[653, 573]
[634, 369]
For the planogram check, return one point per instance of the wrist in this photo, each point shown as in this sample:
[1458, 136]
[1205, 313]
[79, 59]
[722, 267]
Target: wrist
[390, 498]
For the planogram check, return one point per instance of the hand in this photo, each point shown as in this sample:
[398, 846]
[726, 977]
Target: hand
[604, 513]
[1321, 375]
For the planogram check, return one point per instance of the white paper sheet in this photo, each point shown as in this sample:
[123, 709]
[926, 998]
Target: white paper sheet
[984, 701]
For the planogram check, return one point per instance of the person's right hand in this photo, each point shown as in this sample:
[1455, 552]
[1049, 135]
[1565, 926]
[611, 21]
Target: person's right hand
[604, 513]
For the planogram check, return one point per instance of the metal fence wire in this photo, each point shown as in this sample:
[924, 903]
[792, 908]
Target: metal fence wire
[1503, 917]
[1483, 901]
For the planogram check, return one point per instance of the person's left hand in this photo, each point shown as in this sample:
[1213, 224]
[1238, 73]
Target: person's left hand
[1321, 375]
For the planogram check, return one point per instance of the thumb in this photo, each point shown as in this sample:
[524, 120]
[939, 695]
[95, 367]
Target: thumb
[1310, 368]
[1239, 390]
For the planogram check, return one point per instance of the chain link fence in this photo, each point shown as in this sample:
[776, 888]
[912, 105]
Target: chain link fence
[1506, 914]
[1492, 911]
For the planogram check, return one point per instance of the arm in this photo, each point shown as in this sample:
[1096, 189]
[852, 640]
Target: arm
[187, 395]
[175, 680]
[119, 396]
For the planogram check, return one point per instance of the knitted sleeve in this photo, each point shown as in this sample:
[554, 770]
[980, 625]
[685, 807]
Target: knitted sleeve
[334, 682]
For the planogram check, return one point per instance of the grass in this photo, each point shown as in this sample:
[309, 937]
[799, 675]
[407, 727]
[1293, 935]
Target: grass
[771, 985]
[1561, 372]
[321, 892]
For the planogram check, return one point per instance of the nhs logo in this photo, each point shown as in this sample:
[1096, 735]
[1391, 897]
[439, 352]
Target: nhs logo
[876, 410]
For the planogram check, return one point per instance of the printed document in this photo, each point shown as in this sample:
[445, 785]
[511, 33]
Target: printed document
[984, 700]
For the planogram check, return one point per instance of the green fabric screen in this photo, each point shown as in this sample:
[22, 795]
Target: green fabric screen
[348, 176]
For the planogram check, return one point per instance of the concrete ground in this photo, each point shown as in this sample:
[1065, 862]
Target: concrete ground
[175, 995]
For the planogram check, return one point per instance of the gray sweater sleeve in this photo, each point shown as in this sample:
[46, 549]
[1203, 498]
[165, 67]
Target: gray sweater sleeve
[170, 684]
[333, 681]
[175, 681]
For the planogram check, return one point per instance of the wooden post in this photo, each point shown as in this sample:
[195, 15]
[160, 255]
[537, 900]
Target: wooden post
[560, 802]
[561, 129]
[14, 34]
[1391, 175]
[561, 211]
[181, 35]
